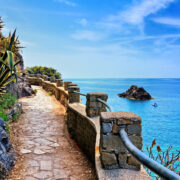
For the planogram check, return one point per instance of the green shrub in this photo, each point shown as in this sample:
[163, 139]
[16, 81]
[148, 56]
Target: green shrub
[35, 91]
[15, 117]
[7, 101]
[7, 127]
[43, 70]
[3, 115]
[50, 93]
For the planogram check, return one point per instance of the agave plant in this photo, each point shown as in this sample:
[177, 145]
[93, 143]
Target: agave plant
[8, 66]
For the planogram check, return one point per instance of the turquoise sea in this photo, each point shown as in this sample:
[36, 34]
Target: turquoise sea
[162, 122]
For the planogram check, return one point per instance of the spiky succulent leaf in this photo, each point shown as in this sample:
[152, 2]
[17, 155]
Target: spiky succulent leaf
[12, 40]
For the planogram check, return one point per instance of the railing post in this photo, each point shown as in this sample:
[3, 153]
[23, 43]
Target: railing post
[93, 106]
[52, 79]
[71, 84]
[66, 84]
[73, 97]
[38, 75]
[113, 152]
[45, 77]
[59, 83]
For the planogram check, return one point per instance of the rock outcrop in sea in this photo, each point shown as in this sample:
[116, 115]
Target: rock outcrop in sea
[136, 93]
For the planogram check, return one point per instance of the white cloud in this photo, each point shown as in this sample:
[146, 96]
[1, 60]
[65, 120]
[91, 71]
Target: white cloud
[83, 22]
[136, 13]
[168, 21]
[67, 2]
[87, 35]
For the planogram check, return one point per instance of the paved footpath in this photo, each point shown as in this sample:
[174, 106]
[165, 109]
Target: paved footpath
[41, 140]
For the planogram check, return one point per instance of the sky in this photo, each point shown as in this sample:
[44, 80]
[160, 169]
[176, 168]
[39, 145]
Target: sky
[98, 38]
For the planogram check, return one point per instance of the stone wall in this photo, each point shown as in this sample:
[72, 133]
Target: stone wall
[82, 129]
[113, 153]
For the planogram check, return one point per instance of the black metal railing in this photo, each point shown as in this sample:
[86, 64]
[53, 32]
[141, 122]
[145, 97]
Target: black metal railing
[100, 100]
[103, 102]
[145, 160]
[79, 93]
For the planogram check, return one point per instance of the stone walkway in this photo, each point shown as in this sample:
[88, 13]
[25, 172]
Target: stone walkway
[41, 140]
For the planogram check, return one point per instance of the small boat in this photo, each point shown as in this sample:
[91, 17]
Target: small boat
[155, 105]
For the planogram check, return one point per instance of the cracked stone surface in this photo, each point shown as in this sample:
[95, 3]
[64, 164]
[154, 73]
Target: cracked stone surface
[43, 146]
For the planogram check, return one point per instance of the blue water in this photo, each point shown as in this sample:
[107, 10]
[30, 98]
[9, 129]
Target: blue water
[162, 123]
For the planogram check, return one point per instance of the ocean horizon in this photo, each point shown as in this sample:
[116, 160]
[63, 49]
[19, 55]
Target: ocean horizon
[161, 123]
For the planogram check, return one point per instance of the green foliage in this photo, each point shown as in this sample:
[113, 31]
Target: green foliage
[43, 70]
[3, 115]
[169, 158]
[7, 127]
[35, 91]
[7, 101]
[8, 65]
[50, 93]
[15, 117]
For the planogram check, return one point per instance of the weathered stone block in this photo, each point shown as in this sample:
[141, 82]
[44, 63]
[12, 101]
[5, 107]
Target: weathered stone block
[120, 117]
[106, 127]
[112, 143]
[74, 97]
[93, 106]
[94, 95]
[66, 84]
[134, 129]
[115, 129]
[59, 83]
[137, 141]
[71, 84]
[109, 160]
[132, 161]
[122, 157]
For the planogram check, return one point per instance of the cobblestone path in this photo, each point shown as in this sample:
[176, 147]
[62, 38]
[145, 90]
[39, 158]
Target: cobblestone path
[41, 140]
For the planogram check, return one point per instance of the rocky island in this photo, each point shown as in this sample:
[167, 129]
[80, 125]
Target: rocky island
[136, 93]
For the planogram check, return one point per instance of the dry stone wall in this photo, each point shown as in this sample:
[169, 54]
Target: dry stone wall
[113, 152]
[82, 129]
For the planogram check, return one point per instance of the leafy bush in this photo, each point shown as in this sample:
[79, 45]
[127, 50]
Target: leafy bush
[50, 93]
[43, 70]
[7, 101]
[169, 158]
[3, 115]
[35, 91]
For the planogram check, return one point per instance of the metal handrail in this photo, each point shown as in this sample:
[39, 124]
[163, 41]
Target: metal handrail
[139, 155]
[100, 100]
[79, 93]
[145, 160]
